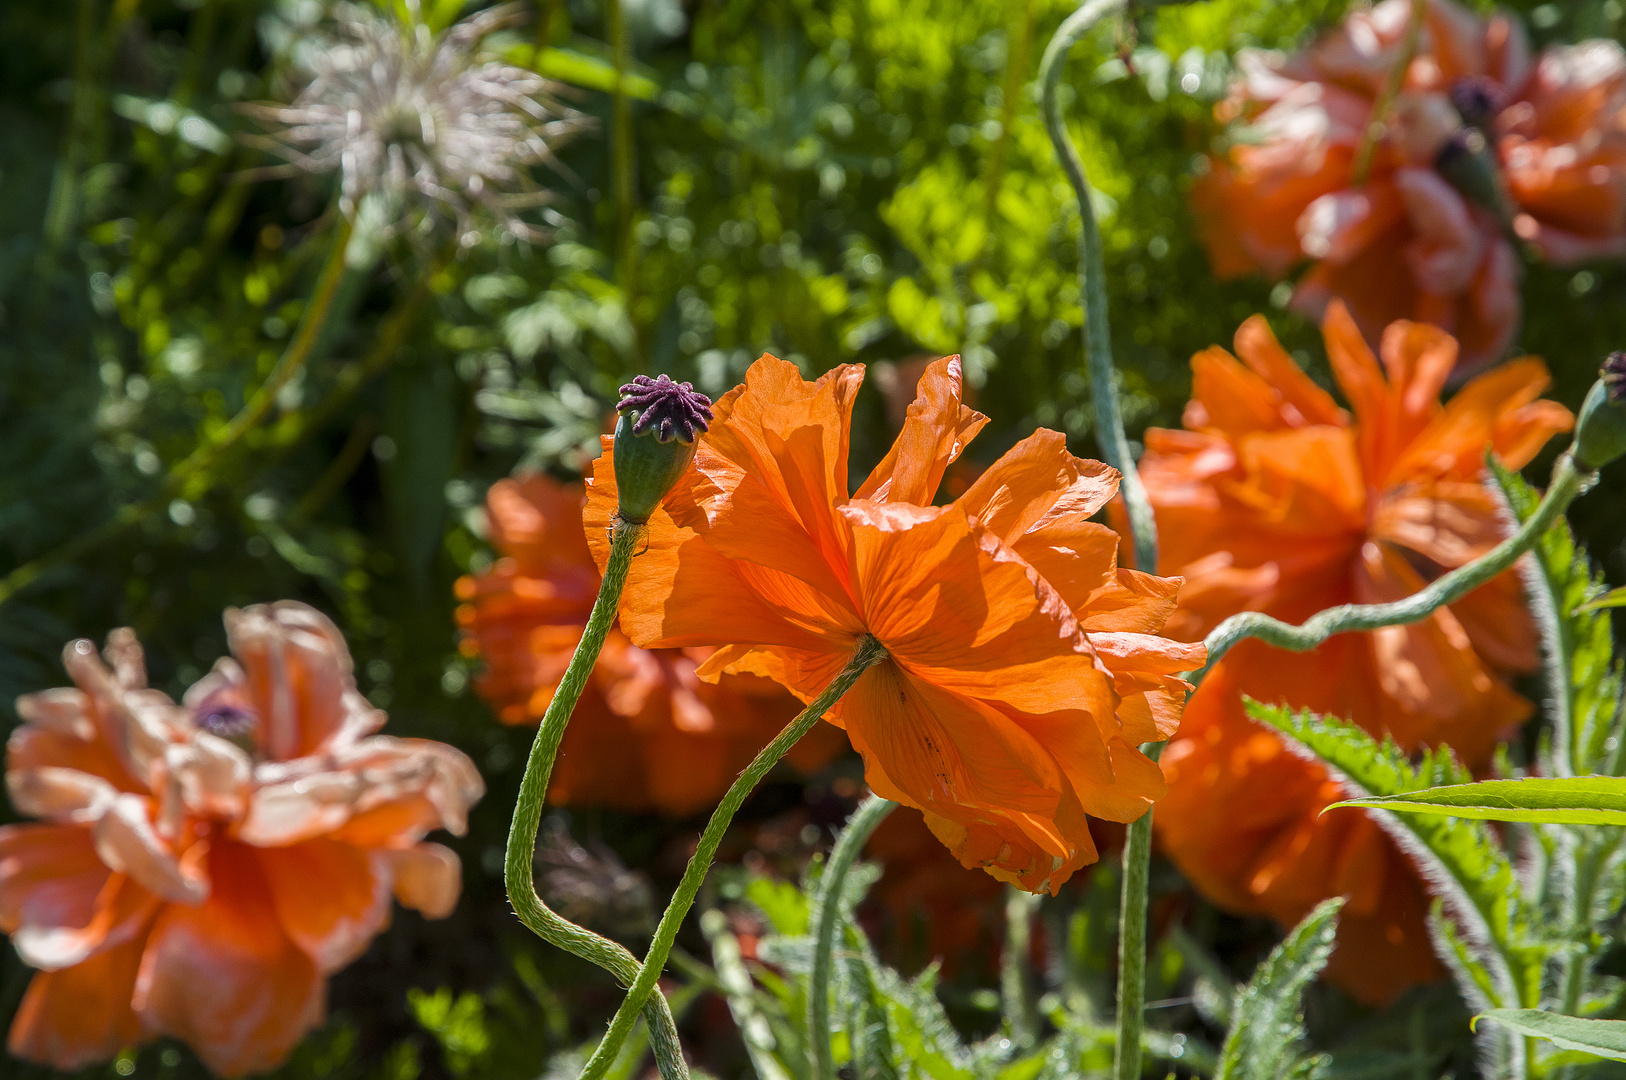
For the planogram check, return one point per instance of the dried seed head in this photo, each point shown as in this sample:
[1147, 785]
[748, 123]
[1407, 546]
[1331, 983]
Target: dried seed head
[414, 118]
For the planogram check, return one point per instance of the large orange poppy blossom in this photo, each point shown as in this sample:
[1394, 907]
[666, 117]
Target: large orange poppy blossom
[203, 867]
[1275, 499]
[1424, 236]
[647, 733]
[1023, 666]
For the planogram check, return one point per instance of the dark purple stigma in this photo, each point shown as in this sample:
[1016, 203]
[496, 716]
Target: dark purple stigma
[227, 722]
[1613, 374]
[1477, 100]
[670, 410]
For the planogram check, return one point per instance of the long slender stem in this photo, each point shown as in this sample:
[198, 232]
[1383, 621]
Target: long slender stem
[519, 863]
[1393, 79]
[1015, 983]
[1567, 483]
[1109, 421]
[194, 467]
[870, 813]
[868, 654]
[1109, 433]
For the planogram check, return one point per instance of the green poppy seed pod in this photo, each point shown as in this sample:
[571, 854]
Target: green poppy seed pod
[654, 441]
[1468, 164]
[1600, 432]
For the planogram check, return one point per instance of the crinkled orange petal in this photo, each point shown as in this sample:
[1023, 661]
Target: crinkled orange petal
[331, 898]
[80, 1015]
[225, 978]
[936, 429]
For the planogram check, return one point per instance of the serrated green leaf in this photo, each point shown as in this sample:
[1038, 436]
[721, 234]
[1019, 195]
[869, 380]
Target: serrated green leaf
[1584, 677]
[1605, 1038]
[786, 907]
[1461, 859]
[1567, 800]
[1267, 1025]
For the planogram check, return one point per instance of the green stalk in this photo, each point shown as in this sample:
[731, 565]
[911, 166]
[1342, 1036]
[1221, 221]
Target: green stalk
[868, 653]
[870, 813]
[1109, 433]
[196, 464]
[519, 863]
[1568, 482]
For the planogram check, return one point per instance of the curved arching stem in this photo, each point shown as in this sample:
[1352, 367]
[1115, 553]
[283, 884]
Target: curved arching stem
[1567, 483]
[519, 864]
[1109, 433]
[868, 653]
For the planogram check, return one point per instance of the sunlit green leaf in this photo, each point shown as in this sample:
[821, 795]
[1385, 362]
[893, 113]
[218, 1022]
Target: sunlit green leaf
[1569, 800]
[1605, 1038]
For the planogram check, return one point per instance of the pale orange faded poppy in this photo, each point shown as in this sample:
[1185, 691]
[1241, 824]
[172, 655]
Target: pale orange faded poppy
[1023, 666]
[647, 734]
[201, 868]
[1425, 236]
[1276, 499]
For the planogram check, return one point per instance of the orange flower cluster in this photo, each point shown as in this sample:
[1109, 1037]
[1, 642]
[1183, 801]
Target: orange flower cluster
[647, 734]
[1274, 499]
[1482, 140]
[203, 867]
[1023, 666]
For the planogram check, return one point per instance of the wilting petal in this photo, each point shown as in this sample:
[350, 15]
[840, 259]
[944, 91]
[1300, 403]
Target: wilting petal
[332, 899]
[50, 876]
[434, 783]
[428, 878]
[127, 842]
[299, 677]
[936, 429]
[80, 1015]
[225, 978]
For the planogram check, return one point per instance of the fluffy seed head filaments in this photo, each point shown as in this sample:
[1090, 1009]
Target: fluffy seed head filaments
[412, 116]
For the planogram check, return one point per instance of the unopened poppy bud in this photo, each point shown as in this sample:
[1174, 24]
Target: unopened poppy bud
[1600, 431]
[1477, 100]
[654, 440]
[1468, 164]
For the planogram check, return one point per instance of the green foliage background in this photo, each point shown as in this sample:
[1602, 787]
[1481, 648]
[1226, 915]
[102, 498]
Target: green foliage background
[832, 181]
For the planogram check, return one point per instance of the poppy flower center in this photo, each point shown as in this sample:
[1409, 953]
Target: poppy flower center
[231, 722]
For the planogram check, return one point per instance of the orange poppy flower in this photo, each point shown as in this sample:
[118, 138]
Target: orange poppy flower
[204, 867]
[647, 733]
[1274, 499]
[1022, 666]
[1481, 139]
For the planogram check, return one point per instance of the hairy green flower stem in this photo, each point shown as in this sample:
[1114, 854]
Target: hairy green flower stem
[1377, 122]
[193, 469]
[1567, 483]
[870, 813]
[1109, 433]
[868, 653]
[519, 864]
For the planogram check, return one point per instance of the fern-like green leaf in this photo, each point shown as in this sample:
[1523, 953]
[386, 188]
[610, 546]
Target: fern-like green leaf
[1461, 860]
[1584, 677]
[1267, 1026]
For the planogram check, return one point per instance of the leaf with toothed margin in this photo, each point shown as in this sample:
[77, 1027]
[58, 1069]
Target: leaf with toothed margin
[1460, 860]
[1584, 677]
[1267, 1026]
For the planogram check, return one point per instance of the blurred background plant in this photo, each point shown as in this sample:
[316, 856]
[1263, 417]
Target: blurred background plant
[692, 184]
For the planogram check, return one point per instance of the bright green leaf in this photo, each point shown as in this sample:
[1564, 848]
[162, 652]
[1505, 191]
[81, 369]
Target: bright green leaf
[1267, 1027]
[1611, 599]
[1605, 1038]
[1570, 800]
